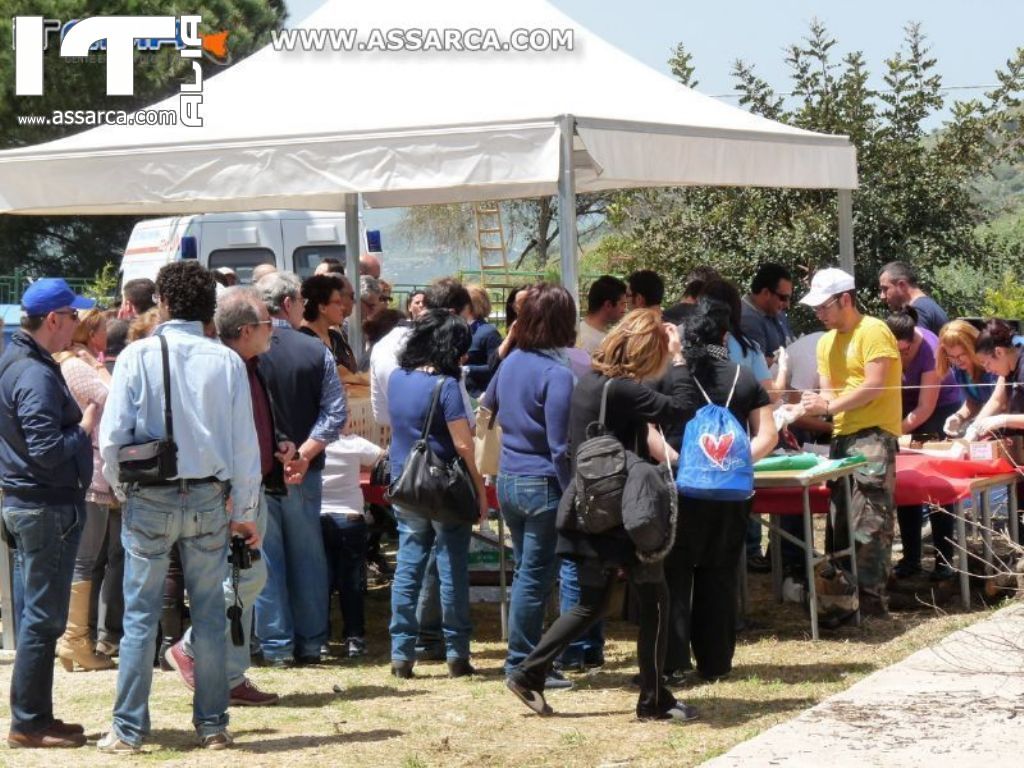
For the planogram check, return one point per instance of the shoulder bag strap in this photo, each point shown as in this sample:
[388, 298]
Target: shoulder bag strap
[168, 419]
[433, 407]
[604, 402]
[732, 391]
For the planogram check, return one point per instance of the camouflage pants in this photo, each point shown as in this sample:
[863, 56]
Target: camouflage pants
[873, 507]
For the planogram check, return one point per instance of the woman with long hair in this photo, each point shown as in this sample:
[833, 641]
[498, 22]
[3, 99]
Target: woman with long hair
[957, 355]
[633, 355]
[435, 349]
[701, 569]
[89, 382]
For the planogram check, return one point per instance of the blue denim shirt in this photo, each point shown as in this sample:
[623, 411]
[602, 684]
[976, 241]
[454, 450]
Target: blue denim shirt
[210, 402]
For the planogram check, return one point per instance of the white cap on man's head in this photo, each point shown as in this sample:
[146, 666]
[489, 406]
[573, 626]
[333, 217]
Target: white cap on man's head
[825, 284]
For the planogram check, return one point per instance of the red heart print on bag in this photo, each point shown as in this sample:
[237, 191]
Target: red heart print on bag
[716, 448]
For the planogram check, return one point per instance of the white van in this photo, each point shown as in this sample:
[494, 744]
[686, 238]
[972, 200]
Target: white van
[296, 241]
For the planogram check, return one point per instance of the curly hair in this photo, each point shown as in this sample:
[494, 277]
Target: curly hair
[189, 291]
[316, 291]
[438, 339]
[636, 348]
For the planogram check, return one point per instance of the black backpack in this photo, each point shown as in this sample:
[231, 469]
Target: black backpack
[600, 475]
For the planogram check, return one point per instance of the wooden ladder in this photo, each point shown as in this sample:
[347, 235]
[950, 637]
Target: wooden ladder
[490, 242]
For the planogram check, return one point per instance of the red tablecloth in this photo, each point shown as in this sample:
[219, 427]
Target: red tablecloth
[374, 494]
[788, 501]
[924, 479]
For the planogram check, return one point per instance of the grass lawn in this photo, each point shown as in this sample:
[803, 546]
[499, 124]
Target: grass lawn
[432, 721]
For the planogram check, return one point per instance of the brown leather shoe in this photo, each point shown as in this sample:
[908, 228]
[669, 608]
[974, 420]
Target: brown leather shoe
[59, 726]
[47, 738]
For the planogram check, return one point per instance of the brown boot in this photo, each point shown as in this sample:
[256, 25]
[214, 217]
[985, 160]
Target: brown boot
[48, 738]
[74, 647]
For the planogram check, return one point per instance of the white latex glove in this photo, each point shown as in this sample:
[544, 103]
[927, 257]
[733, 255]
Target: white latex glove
[989, 424]
[954, 426]
[786, 414]
[972, 433]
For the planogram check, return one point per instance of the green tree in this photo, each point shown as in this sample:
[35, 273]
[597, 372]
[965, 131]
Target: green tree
[916, 199]
[81, 245]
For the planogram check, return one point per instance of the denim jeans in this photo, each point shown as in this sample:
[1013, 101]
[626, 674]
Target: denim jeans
[345, 542]
[47, 540]
[250, 584]
[428, 609]
[416, 536]
[528, 505]
[91, 540]
[154, 519]
[591, 642]
[291, 612]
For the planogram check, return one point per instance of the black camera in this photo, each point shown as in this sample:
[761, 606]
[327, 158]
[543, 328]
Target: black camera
[240, 555]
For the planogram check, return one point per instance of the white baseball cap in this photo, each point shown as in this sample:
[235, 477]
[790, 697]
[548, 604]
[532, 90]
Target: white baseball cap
[825, 284]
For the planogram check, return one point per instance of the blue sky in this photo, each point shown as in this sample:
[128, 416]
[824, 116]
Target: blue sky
[970, 40]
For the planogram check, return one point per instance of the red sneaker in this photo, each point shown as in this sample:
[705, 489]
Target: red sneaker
[183, 663]
[246, 694]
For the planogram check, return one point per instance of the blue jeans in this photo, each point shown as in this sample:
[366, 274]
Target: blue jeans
[250, 584]
[416, 536]
[591, 642]
[528, 505]
[345, 542]
[291, 612]
[47, 540]
[154, 519]
[428, 609]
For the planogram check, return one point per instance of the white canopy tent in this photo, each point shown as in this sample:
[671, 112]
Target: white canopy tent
[312, 130]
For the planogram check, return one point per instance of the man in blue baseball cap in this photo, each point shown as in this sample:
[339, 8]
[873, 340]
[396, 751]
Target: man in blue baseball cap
[46, 467]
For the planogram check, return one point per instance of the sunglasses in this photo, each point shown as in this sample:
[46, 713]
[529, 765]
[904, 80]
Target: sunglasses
[783, 297]
[72, 313]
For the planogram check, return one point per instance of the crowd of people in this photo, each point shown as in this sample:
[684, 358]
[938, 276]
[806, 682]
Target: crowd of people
[139, 447]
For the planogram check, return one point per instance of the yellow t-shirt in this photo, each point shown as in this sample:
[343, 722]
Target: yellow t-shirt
[843, 356]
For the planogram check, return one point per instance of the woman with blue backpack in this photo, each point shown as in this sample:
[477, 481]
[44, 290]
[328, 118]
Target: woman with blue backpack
[723, 403]
[611, 408]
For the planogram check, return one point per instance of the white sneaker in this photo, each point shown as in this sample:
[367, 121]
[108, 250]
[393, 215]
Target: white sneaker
[111, 744]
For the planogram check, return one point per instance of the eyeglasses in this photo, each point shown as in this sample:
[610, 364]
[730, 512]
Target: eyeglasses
[385, 299]
[256, 323]
[783, 297]
[823, 307]
[72, 313]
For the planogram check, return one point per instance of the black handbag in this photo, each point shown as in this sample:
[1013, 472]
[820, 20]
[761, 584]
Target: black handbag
[430, 486]
[156, 460]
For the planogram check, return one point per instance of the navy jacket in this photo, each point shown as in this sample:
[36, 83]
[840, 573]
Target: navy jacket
[45, 456]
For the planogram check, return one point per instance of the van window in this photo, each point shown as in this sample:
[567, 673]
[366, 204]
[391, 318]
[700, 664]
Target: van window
[242, 260]
[306, 257]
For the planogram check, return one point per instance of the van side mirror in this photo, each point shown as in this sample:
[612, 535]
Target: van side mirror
[189, 247]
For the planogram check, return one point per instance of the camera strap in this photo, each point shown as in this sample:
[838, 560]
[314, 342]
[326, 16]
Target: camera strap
[168, 419]
[235, 611]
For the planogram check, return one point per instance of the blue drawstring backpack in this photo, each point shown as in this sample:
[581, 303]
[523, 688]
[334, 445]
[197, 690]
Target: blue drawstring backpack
[715, 460]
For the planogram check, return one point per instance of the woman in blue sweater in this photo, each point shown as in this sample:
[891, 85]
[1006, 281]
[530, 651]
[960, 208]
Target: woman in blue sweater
[484, 347]
[531, 392]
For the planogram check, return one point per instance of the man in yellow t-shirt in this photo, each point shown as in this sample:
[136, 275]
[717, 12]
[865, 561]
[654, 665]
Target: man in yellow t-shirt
[860, 370]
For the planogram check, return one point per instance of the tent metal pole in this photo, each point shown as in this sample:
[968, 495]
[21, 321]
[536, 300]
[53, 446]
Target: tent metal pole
[352, 251]
[846, 230]
[567, 209]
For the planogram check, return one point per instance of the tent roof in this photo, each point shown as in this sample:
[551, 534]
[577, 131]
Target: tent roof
[301, 129]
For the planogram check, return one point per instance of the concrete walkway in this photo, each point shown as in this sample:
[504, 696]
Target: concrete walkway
[958, 703]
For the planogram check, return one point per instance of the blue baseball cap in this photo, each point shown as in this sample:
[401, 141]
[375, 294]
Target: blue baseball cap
[51, 293]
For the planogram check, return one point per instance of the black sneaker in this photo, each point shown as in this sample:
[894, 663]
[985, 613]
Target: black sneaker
[556, 681]
[758, 564]
[533, 699]
[460, 668]
[593, 659]
[905, 569]
[355, 646]
[402, 669]
[942, 572]
[680, 713]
